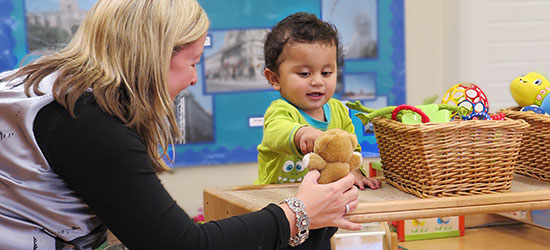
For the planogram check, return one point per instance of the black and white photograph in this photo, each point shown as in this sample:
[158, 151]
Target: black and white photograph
[357, 22]
[235, 61]
[51, 23]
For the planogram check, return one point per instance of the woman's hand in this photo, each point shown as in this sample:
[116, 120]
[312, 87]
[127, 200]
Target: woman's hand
[326, 203]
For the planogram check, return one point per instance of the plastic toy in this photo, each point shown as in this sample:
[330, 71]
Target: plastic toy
[534, 108]
[409, 118]
[333, 155]
[427, 113]
[405, 113]
[531, 89]
[471, 97]
[477, 114]
[499, 116]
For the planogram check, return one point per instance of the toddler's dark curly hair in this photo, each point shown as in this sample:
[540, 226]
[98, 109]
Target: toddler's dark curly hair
[300, 27]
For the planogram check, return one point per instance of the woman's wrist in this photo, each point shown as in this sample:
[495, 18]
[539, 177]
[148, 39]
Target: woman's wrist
[291, 217]
[298, 220]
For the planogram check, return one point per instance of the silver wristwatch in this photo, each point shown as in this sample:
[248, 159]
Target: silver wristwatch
[302, 221]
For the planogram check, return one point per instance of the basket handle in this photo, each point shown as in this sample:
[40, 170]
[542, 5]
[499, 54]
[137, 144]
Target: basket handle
[423, 115]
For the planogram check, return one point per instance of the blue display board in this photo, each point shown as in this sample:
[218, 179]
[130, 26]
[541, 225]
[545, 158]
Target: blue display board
[13, 44]
[222, 114]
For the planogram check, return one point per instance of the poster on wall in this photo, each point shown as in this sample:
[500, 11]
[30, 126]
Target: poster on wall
[222, 115]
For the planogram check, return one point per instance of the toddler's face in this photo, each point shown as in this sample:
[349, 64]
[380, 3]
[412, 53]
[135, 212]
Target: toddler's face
[307, 76]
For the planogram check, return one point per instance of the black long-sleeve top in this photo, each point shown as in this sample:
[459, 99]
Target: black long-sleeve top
[107, 165]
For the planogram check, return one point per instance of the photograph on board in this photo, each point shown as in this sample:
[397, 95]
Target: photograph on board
[357, 23]
[235, 61]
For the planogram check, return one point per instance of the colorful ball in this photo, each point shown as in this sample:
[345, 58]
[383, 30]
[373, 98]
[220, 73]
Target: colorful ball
[467, 95]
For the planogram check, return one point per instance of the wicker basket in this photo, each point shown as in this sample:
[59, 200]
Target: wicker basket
[534, 154]
[449, 159]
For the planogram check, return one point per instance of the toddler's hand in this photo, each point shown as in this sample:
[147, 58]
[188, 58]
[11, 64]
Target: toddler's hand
[361, 180]
[305, 138]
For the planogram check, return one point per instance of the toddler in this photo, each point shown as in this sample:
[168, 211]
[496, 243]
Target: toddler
[302, 54]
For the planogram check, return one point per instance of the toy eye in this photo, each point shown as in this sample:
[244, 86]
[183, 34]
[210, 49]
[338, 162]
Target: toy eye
[288, 166]
[299, 166]
[537, 82]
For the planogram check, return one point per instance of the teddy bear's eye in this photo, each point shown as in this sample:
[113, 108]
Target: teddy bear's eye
[299, 166]
[289, 165]
[538, 82]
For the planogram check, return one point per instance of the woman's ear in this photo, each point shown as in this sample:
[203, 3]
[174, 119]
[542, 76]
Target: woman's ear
[272, 78]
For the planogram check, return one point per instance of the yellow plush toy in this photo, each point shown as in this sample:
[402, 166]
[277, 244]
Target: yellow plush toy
[333, 155]
[530, 89]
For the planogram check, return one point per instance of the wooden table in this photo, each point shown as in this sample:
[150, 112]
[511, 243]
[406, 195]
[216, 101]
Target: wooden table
[385, 204]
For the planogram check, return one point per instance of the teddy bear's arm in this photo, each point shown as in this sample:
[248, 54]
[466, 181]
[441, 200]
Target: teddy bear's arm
[355, 161]
[314, 161]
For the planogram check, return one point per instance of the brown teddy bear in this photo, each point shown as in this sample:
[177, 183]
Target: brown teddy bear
[333, 155]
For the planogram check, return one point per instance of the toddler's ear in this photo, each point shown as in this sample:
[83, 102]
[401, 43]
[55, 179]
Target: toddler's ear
[272, 78]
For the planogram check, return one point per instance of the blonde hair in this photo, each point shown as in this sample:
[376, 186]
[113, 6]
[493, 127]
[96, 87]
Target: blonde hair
[122, 51]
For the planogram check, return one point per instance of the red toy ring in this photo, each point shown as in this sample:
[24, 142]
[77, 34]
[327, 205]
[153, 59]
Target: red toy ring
[425, 117]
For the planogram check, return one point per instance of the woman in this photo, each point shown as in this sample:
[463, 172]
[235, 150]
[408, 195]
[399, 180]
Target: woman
[81, 130]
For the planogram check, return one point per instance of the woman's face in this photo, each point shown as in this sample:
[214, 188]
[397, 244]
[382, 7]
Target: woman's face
[182, 67]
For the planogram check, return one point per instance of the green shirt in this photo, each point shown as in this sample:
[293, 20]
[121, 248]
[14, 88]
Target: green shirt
[280, 161]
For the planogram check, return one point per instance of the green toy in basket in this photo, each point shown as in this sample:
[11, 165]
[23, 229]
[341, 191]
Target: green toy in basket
[422, 114]
[406, 113]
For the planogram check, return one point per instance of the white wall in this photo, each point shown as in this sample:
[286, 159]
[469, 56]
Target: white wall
[501, 40]
[424, 49]
[486, 42]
